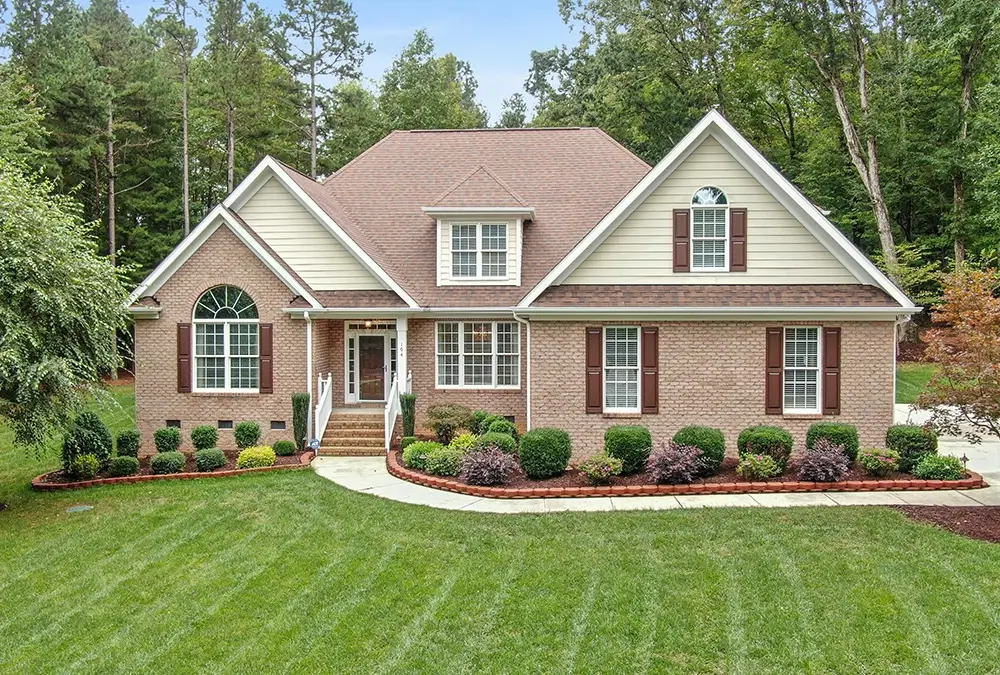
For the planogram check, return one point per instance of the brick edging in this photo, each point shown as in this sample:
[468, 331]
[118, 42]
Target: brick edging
[974, 480]
[39, 482]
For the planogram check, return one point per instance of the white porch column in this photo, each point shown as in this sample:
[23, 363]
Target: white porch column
[401, 360]
[309, 373]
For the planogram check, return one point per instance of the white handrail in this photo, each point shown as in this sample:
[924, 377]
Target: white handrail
[391, 410]
[324, 406]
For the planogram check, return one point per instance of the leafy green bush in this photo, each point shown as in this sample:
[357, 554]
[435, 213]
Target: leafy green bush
[246, 435]
[204, 437]
[84, 467]
[209, 459]
[123, 465]
[447, 418]
[88, 435]
[484, 425]
[878, 461]
[502, 441]
[169, 461]
[167, 439]
[444, 461]
[710, 441]
[543, 452]
[478, 417]
[674, 463]
[758, 467]
[255, 457]
[825, 462]
[491, 466]
[844, 435]
[629, 443]
[128, 443]
[912, 442]
[415, 454]
[407, 441]
[463, 442]
[600, 468]
[300, 419]
[939, 467]
[503, 426]
[284, 448]
[408, 408]
[766, 440]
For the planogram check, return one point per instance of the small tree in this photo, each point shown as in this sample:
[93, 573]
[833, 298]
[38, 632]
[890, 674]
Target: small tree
[964, 394]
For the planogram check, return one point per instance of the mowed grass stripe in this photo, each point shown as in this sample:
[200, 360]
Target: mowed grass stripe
[413, 632]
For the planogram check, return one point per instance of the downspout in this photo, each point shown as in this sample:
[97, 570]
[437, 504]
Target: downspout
[896, 337]
[527, 324]
[309, 373]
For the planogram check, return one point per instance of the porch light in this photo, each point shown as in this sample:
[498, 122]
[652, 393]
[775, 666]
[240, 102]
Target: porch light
[368, 324]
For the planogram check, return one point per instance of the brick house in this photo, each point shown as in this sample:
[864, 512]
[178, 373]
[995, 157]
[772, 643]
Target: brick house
[544, 274]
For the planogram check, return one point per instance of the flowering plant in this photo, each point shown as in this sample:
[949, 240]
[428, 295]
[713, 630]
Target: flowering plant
[600, 468]
[878, 461]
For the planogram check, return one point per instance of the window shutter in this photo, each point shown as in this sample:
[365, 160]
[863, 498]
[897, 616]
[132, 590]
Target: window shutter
[650, 371]
[831, 371]
[184, 358]
[682, 240]
[266, 359]
[774, 375]
[595, 358]
[737, 240]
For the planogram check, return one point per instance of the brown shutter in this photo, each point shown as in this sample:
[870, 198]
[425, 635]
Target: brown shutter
[184, 358]
[831, 371]
[650, 371]
[594, 368]
[774, 371]
[737, 240]
[682, 240]
[266, 359]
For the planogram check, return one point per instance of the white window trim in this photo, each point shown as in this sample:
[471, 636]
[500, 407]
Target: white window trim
[227, 357]
[479, 276]
[604, 372]
[461, 357]
[728, 246]
[818, 410]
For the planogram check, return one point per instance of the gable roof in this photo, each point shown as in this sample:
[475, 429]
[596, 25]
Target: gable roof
[781, 188]
[480, 188]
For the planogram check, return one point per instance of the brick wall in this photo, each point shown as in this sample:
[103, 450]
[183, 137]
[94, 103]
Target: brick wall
[223, 259]
[710, 374]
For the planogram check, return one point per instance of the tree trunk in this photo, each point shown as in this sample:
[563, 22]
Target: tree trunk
[112, 247]
[312, 121]
[185, 171]
[230, 146]
[959, 178]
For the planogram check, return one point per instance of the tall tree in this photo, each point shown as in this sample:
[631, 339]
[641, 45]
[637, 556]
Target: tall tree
[22, 136]
[514, 113]
[351, 123]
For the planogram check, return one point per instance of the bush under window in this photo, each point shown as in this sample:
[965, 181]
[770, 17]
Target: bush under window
[255, 457]
[444, 460]
[123, 465]
[167, 439]
[825, 462]
[774, 442]
[447, 419]
[128, 443]
[758, 467]
[204, 437]
[88, 435]
[503, 426]
[939, 467]
[711, 442]
[246, 435]
[912, 442]
[544, 453]
[170, 461]
[490, 466]
[502, 441]
[878, 462]
[209, 459]
[629, 443]
[838, 433]
[674, 463]
[284, 448]
[599, 469]
[84, 467]
[415, 454]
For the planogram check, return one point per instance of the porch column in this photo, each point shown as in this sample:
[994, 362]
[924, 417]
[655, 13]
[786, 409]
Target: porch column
[309, 375]
[401, 360]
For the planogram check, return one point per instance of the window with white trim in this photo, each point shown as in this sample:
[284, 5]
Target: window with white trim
[801, 370]
[710, 230]
[478, 354]
[479, 250]
[621, 369]
[226, 341]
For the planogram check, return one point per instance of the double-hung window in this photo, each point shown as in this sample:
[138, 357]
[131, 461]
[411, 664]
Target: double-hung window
[479, 250]
[621, 369]
[801, 370]
[709, 230]
[226, 341]
[478, 354]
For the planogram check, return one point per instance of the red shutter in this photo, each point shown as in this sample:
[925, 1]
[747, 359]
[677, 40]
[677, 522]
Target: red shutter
[682, 240]
[650, 371]
[184, 358]
[594, 370]
[266, 359]
[737, 240]
[831, 371]
[774, 371]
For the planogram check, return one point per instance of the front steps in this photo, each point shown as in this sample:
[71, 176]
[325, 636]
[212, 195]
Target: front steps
[354, 434]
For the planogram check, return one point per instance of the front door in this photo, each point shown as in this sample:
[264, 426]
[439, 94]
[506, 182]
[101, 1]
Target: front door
[371, 373]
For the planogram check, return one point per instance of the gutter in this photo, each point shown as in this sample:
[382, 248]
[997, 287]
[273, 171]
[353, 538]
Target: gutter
[527, 385]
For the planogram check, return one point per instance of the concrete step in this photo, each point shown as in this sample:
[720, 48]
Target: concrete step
[354, 441]
[355, 432]
[340, 451]
[356, 424]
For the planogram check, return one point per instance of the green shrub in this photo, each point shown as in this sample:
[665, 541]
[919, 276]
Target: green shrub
[84, 467]
[503, 426]
[710, 441]
[912, 442]
[502, 441]
[415, 454]
[463, 442]
[210, 458]
[88, 435]
[169, 461]
[758, 467]
[204, 437]
[600, 468]
[878, 461]
[939, 467]
[167, 439]
[300, 419]
[446, 419]
[629, 443]
[838, 433]
[543, 453]
[408, 408]
[407, 440]
[444, 461]
[284, 448]
[123, 465]
[478, 417]
[765, 440]
[255, 457]
[128, 443]
[246, 435]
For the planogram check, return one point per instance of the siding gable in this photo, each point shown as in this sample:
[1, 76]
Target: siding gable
[780, 250]
[303, 242]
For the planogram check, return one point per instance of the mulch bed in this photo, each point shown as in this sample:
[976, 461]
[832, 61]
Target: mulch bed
[975, 522]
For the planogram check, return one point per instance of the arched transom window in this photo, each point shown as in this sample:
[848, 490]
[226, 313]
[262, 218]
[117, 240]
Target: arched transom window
[226, 341]
[709, 230]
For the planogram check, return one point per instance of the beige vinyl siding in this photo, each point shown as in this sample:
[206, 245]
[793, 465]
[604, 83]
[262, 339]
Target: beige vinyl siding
[780, 250]
[513, 249]
[303, 242]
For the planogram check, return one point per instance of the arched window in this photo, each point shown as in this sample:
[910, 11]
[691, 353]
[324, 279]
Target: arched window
[709, 230]
[226, 341]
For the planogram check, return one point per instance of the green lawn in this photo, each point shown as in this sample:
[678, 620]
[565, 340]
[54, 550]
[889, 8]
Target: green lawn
[286, 572]
[911, 378]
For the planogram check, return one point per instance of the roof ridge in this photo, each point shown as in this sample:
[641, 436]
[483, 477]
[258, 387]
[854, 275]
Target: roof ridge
[467, 177]
[628, 153]
[502, 183]
[359, 157]
[493, 129]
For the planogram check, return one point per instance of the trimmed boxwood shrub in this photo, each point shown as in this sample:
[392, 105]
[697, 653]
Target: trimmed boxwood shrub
[209, 458]
[488, 420]
[123, 465]
[478, 417]
[544, 453]
[246, 435]
[444, 461]
[675, 463]
[167, 439]
[503, 426]
[502, 441]
[284, 448]
[170, 461]
[878, 462]
[84, 467]
[711, 442]
[408, 408]
[300, 419]
[255, 457]
[128, 443]
[629, 443]
[912, 442]
[939, 467]
[825, 462]
[88, 435]
[766, 440]
[407, 441]
[838, 433]
[204, 437]
[415, 454]
[758, 467]
[491, 466]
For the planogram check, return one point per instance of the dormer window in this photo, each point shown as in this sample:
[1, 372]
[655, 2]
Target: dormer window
[709, 230]
[479, 250]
